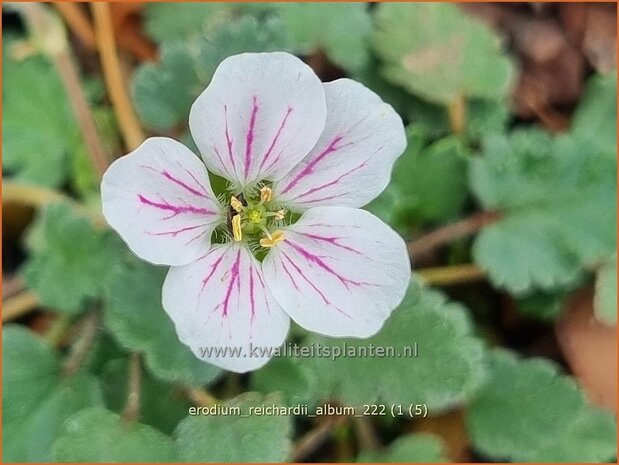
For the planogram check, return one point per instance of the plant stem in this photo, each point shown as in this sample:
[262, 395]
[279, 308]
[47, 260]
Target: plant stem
[457, 114]
[51, 38]
[451, 232]
[129, 125]
[56, 332]
[131, 412]
[454, 274]
[201, 397]
[315, 438]
[81, 347]
[366, 434]
[19, 305]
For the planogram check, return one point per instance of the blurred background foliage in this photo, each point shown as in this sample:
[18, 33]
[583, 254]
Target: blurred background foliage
[506, 195]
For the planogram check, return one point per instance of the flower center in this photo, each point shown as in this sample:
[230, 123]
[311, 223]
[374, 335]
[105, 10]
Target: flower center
[251, 218]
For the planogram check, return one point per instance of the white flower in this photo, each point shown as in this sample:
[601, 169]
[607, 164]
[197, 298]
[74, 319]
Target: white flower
[288, 145]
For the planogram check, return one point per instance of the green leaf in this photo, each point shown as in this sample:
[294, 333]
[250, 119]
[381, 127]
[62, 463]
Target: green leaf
[162, 405]
[414, 195]
[412, 448]
[448, 366]
[178, 21]
[241, 437]
[296, 383]
[542, 305]
[555, 196]
[595, 118]
[605, 301]
[134, 315]
[163, 92]
[98, 435]
[36, 400]
[437, 52]
[38, 128]
[527, 411]
[592, 437]
[341, 30]
[71, 261]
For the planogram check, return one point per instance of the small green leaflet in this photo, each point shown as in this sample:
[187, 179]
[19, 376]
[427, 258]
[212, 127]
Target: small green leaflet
[605, 300]
[413, 448]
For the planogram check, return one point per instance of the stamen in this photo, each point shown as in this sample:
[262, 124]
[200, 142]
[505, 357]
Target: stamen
[280, 214]
[266, 194]
[236, 228]
[272, 239]
[236, 204]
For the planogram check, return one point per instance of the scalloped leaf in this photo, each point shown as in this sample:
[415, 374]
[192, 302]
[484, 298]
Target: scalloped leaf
[437, 52]
[413, 195]
[97, 435]
[341, 30]
[555, 196]
[238, 438]
[412, 448]
[595, 118]
[70, 261]
[528, 411]
[38, 128]
[134, 315]
[35, 399]
[163, 92]
[447, 369]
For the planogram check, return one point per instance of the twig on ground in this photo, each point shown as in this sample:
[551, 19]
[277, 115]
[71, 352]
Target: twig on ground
[50, 36]
[201, 397]
[78, 22]
[12, 285]
[454, 274]
[314, 438]
[37, 197]
[19, 305]
[112, 72]
[451, 232]
[366, 433]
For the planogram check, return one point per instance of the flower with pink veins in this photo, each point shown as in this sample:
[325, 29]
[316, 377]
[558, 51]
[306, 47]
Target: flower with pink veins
[288, 239]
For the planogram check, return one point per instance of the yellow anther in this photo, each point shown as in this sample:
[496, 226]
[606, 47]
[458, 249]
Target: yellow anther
[266, 194]
[236, 228]
[236, 204]
[275, 238]
[280, 214]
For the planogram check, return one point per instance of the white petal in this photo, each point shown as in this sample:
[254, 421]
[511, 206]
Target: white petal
[339, 271]
[351, 163]
[220, 304]
[160, 201]
[259, 116]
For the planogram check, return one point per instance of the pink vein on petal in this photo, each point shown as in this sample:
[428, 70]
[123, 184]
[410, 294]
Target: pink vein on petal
[214, 267]
[318, 261]
[176, 232]
[322, 296]
[275, 139]
[234, 272]
[175, 209]
[300, 272]
[333, 240]
[229, 141]
[249, 138]
[334, 182]
[251, 292]
[185, 186]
